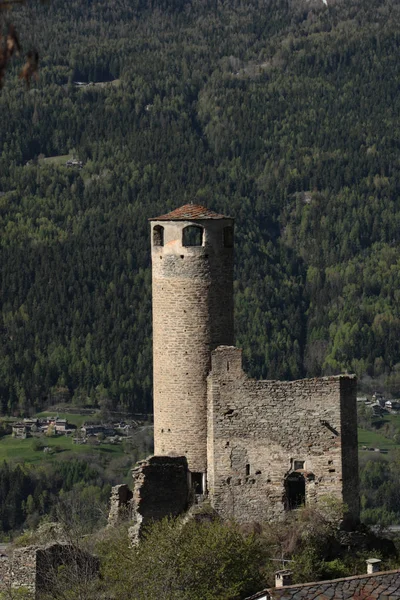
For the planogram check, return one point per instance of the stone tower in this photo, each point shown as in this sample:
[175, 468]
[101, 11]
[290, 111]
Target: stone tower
[192, 256]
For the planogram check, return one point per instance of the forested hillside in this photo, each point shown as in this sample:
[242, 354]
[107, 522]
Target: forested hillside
[283, 114]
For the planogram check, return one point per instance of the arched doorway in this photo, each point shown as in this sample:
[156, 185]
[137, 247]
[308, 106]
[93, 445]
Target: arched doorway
[295, 491]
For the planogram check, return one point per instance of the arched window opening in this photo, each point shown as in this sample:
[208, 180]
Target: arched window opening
[192, 236]
[228, 237]
[295, 491]
[158, 235]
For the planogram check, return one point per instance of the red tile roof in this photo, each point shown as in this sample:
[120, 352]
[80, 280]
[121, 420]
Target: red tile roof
[190, 212]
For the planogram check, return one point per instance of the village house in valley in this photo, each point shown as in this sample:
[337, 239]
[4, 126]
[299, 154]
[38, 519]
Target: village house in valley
[34, 426]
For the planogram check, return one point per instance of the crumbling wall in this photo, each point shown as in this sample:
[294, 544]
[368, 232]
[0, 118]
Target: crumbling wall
[161, 489]
[5, 575]
[80, 566]
[120, 505]
[259, 430]
[36, 568]
[23, 568]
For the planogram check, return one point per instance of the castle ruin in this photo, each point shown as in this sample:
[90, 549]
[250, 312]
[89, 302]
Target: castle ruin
[255, 448]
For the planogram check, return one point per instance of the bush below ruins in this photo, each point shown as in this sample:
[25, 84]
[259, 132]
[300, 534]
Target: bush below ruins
[198, 561]
[220, 561]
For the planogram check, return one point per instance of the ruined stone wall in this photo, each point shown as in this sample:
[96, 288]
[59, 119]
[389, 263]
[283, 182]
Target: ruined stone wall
[161, 489]
[80, 566]
[120, 505]
[35, 569]
[5, 575]
[192, 315]
[18, 569]
[258, 429]
[23, 568]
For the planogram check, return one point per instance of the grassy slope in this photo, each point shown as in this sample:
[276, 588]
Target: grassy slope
[375, 440]
[73, 418]
[393, 419]
[58, 160]
[22, 450]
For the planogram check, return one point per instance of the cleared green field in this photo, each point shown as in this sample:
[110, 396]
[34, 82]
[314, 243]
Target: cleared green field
[102, 84]
[57, 160]
[374, 440]
[74, 418]
[394, 419]
[23, 450]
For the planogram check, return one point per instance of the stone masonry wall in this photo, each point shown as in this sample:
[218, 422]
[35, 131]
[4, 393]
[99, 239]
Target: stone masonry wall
[80, 566]
[35, 569]
[161, 489]
[23, 568]
[192, 315]
[258, 429]
[18, 569]
[5, 575]
[120, 505]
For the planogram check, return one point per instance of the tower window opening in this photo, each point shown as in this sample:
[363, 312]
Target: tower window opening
[247, 470]
[228, 237]
[295, 491]
[158, 235]
[192, 236]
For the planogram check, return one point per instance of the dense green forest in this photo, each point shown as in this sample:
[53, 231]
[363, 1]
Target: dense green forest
[30, 495]
[283, 114]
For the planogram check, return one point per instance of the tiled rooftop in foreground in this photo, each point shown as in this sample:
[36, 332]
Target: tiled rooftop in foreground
[384, 585]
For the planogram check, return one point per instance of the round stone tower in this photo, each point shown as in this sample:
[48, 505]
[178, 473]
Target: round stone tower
[192, 256]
